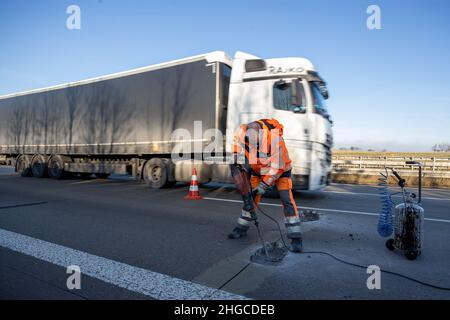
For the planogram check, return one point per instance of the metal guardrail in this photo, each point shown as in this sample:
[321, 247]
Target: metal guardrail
[433, 166]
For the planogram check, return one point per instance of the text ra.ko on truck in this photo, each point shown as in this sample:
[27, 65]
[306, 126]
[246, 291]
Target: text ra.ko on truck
[124, 123]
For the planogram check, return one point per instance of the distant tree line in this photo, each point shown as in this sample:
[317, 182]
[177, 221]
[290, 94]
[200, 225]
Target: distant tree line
[441, 147]
[359, 149]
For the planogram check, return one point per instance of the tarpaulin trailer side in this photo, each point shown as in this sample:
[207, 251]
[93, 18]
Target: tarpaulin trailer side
[128, 115]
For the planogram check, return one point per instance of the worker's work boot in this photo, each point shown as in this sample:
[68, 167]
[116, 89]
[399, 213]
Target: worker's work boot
[237, 233]
[296, 245]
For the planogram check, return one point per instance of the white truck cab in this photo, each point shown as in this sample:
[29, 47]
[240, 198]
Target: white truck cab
[291, 91]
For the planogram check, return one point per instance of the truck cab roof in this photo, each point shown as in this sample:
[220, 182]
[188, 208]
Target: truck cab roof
[247, 67]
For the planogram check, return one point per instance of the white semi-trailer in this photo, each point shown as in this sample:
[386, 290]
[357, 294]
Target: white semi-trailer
[124, 123]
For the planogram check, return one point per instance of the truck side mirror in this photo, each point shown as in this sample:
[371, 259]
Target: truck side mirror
[323, 90]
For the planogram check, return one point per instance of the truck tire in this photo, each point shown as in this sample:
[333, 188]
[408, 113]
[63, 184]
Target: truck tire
[23, 165]
[39, 166]
[56, 166]
[155, 173]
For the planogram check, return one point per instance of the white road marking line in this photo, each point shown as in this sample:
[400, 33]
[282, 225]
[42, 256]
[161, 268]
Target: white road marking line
[377, 195]
[320, 209]
[153, 284]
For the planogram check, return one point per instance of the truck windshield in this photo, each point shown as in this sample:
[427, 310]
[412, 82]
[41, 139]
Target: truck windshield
[319, 103]
[289, 96]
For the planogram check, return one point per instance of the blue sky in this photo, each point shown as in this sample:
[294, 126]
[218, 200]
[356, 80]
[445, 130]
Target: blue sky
[390, 88]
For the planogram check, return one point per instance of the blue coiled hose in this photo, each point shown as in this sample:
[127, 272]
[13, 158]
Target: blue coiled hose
[386, 219]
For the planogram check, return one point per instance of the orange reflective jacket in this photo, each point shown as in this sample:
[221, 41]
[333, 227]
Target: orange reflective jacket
[262, 144]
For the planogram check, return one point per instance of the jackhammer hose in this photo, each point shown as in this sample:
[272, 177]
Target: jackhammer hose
[385, 220]
[344, 261]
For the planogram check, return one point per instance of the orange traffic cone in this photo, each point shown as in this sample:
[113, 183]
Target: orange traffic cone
[193, 194]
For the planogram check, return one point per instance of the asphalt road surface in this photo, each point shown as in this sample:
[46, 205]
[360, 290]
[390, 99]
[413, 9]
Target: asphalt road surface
[131, 242]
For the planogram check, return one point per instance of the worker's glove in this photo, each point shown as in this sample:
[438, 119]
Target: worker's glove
[260, 189]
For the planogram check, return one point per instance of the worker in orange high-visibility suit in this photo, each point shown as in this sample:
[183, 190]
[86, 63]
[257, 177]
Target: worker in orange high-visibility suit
[260, 155]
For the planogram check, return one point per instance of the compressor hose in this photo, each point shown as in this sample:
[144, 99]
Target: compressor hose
[400, 275]
[386, 219]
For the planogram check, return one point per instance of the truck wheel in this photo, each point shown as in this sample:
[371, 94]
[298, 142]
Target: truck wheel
[23, 165]
[39, 166]
[155, 173]
[102, 175]
[56, 166]
[390, 244]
